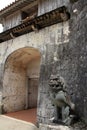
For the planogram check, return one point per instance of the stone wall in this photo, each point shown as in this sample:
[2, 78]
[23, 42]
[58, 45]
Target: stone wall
[77, 49]
[52, 64]
[42, 41]
[68, 59]
[78, 126]
[14, 89]
[33, 69]
[46, 41]
[64, 52]
[21, 69]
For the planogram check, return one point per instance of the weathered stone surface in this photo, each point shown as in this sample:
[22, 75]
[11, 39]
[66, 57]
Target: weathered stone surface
[78, 56]
[69, 59]
[79, 126]
[63, 51]
[43, 42]
[18, 71]
[53, 127]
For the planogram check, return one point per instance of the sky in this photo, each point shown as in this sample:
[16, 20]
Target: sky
[4, 3]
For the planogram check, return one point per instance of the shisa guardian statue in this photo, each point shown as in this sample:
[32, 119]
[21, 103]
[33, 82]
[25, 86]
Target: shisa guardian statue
[61, 101]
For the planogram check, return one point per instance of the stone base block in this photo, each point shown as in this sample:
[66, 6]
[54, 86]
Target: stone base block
[77, 126]
[53, 127]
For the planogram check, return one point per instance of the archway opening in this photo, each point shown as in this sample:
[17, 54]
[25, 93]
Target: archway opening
[21, 80]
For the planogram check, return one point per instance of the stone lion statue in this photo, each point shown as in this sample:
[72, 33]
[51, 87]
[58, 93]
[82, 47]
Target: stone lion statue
[61, 101]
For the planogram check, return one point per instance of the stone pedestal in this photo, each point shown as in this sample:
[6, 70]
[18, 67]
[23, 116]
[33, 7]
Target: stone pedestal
[76, 126]
[1, 103]
[1, 107]
[53, 127]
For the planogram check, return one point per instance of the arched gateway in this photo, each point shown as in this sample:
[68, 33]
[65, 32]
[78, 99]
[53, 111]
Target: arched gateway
[21, 79]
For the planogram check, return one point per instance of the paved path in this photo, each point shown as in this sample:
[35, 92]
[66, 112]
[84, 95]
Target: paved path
[25, 115]
[8, 123]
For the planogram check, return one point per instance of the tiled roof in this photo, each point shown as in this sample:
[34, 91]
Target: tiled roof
[14, 6]
[9, 5]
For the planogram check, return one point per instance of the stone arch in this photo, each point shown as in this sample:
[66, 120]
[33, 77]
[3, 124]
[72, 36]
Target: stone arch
[21, 79]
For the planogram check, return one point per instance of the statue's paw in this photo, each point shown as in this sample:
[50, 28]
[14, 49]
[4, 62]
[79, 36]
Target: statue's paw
[55, 121]
[51, 119]
[74, 118]
[69, 120]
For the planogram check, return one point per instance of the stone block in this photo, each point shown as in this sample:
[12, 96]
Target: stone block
[53, 127]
